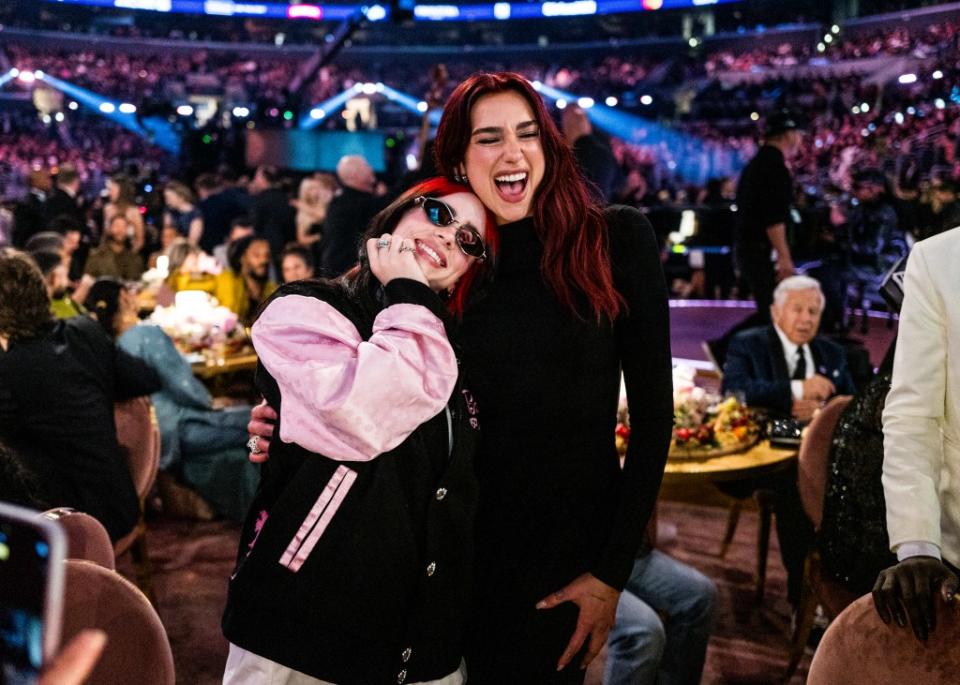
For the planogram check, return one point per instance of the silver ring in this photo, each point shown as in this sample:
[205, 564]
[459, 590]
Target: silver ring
[383, 242]
[253, 446]
[407, 248]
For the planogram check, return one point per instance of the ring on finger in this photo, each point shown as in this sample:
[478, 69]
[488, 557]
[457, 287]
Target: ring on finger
[405, 247]
[383, 242]
[253, 445]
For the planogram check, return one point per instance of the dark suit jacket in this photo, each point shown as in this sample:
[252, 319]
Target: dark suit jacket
[756, 367]
[60, 203]
[348, 216]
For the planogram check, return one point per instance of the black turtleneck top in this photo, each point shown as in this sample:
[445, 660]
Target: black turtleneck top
[554, 501]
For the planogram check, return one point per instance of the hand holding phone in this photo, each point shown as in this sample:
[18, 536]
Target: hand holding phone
[32, 550]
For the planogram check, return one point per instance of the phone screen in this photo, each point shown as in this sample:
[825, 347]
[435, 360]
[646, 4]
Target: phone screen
[29, 553]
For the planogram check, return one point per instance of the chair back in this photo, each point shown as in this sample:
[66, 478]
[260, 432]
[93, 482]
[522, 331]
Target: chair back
[813, 456]
[139, 437]
[138, 650]
[859, 649]
[86, 537]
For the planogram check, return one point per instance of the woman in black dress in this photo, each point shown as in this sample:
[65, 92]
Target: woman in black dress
[578, 295]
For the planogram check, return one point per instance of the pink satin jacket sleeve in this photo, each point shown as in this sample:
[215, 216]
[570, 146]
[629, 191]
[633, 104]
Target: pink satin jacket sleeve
[347, 398]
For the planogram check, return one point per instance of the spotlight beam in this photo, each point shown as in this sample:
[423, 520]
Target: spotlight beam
[322, 110]
[685, 154]
[411, 103]
[6, 78]
[162, 135]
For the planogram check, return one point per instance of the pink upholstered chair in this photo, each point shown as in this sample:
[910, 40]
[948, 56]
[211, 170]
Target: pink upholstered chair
[859, 649]
[812, 485]
[138, 650]
[86, 537]
[139, 436]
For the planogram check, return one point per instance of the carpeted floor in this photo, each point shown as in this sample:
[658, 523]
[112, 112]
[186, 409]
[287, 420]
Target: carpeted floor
[192, 562]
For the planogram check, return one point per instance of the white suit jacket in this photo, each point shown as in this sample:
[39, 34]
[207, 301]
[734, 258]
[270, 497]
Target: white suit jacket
[921, 418]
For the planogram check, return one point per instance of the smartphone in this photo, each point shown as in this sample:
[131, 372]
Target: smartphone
[32, 550]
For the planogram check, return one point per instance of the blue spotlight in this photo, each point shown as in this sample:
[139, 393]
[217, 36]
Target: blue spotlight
[122, 113]
[324, 109]
[9, 76]
[415, 105]
[687, 155]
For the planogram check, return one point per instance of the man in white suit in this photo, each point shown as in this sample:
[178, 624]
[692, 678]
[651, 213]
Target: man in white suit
[921, 429]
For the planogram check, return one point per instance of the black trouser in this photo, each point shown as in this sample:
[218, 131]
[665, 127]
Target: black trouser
[757, 271]
[794, 530]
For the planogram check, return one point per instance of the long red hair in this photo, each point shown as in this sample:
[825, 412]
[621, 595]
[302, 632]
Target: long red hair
[568, 221]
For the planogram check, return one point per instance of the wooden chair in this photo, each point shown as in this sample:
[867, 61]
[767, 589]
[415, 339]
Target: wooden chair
[818, 588]
[87, 539]
[139, 436]
[860, 649]
[138, 650]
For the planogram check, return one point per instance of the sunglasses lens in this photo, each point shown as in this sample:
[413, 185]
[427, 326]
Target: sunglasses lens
[437, 212]
[470, 243]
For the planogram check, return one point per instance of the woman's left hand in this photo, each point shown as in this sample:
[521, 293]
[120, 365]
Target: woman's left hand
[598, 611]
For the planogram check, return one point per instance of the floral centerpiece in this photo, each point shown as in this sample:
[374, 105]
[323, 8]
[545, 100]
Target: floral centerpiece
[704, 424]
[197, 323]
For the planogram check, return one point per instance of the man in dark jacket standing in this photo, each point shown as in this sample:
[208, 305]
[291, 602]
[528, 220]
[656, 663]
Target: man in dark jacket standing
[348, 215]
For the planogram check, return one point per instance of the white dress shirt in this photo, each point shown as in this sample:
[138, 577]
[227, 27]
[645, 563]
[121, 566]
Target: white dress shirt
[790, 354]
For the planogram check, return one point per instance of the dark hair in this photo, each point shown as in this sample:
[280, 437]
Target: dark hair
[242, 220]
[68, 174]
[24, 303]
[388, 218]
[64, 223]
[47, 260]
[182, 190]
[103, 301]
[567, 220]
[17, 485]
[127, 195]
[207, 182]
[298, 250]
[270, 173]
[45, 240]
[238, 248]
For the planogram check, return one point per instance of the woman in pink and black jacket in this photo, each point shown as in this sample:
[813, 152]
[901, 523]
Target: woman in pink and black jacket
[355, 559]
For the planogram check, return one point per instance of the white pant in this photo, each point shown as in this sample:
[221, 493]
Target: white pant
[247, 668]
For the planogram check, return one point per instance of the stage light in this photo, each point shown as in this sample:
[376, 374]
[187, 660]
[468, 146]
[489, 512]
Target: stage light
[834, 29]
[46, 119]
[864, 107]
[107, 107]
[59, 117]
[561, 104]
[937, 75]
[585, 103]
[939, 103]
[73, 106]
[646, 100]
[38, 75]
[693, 42]
[127, 108]
[537, 86]
[26, 77]
[754, 116]
[611, 101]
[288, 115]
[422, 106]
[911, 110]
[376, 13]
[185, 110]
[368, 88]
[412, 162]
[317, 113]
[906, 79]
[241, 112]
[828, 39]
[501, 10]
[898, 117]
[864, 132]
[14, 73]
[380, 87]
[821, 47]
[855, 109]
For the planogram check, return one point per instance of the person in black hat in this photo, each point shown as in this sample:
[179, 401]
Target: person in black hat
[764, 196]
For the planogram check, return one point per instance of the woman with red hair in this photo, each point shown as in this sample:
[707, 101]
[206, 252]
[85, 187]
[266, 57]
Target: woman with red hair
[578, 295]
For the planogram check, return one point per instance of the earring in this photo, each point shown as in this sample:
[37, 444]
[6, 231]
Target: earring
[462, 179]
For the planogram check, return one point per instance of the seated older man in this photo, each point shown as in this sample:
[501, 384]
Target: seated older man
[786, 367]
